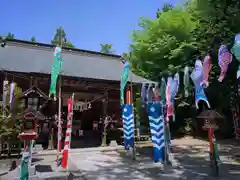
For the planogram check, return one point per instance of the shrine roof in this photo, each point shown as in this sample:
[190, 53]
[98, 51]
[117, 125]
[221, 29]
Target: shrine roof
[24, 56]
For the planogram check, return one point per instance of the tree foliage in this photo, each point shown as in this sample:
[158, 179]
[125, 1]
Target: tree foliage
[33, 39]
[61, 36]
[106, 49]
[162, 42]
[11, 125]
[179, 35]
[10, 36]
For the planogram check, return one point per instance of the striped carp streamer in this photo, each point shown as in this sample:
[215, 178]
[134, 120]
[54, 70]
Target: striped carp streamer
[144, 94]
[207, 66]
[150, 94]
[156, 92]
[124, 80]
[162, 90]
[224, 59]
[186, 81]
[56, 67]
[197, 77]
[236, 52]
[170, 109]
[174, 86]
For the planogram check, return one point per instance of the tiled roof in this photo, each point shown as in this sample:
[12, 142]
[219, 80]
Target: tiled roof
[23, 56]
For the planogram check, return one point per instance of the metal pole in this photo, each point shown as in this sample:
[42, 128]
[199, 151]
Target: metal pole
[59, 105]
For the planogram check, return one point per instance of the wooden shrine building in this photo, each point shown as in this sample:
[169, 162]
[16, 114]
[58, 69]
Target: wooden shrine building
[93, 77]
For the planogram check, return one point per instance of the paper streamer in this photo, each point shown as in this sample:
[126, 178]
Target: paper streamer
[128, 125]
[197, 77]
[156, 122]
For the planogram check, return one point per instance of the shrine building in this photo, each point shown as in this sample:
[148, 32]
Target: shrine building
[93, 77]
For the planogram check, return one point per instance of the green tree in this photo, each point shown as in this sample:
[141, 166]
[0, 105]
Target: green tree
[61, 35]
[106, 49]
[10, 36]
[10, 126]
[33, 39]
[162, 43]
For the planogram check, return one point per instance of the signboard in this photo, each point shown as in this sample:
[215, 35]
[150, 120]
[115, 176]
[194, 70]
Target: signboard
[82, 106]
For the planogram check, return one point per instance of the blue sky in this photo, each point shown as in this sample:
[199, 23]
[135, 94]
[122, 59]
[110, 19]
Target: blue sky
[87, 23]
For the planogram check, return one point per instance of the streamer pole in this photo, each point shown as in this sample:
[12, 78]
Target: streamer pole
[59, 105]
[131, 102]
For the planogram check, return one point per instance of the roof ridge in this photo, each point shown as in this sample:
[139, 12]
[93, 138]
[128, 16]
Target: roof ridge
[45, 46]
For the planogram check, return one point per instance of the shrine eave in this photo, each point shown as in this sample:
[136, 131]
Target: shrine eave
[25, 57]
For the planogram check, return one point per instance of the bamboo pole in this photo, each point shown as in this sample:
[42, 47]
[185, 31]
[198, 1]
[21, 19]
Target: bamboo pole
[59, 105]
[131, 102]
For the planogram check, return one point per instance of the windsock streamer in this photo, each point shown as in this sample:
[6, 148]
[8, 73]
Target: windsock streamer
[207, 66]
[163, 90]
[156, 122]
[156, 92]
[68, 135]
[128, 125]
[197, 77]
[11, 100]
[236, 52]
[224, 59]
[169, 102]
[4, 99]
[144, 94]
[124, 80]
[56, 67]
[186, 81]
[150, 94]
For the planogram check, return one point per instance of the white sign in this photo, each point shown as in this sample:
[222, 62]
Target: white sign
[82, 106]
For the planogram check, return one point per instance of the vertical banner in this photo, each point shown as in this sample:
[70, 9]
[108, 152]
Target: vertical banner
[156, 122]
[68, 135]
[128, 125]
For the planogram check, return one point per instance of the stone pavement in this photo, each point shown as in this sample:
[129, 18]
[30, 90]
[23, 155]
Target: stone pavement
[110, 163]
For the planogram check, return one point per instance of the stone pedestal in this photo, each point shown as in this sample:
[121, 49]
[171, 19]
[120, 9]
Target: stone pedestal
[113, 143]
